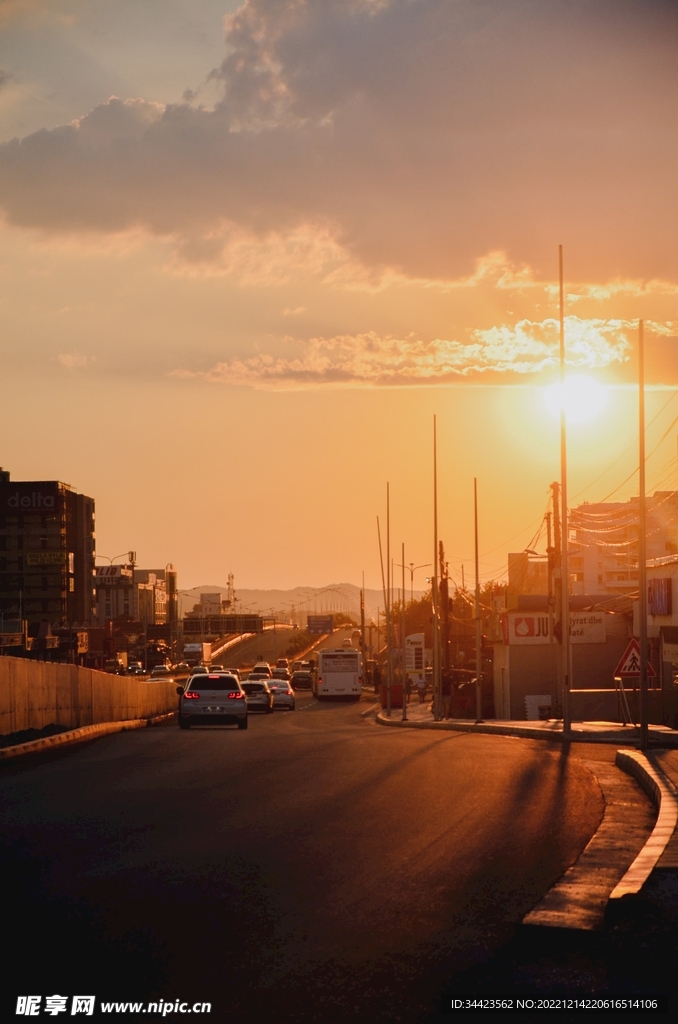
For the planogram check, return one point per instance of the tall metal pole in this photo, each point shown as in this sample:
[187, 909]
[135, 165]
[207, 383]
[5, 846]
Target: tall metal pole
[642, 553]
[479, 660]
[437, 710]
[402, 637]
[363, 651]
[389, 675]
[565, 574]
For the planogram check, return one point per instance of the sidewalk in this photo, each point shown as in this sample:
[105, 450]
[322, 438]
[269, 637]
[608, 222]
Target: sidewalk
[420, 716]
[594, 893]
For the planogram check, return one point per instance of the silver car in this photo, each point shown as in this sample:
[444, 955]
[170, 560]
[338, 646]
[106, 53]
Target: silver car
[258, 696]
[213, 698]
[283, 694]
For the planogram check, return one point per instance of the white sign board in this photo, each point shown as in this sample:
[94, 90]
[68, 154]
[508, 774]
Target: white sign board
[529, 628]
[415, 659]
[669, 652]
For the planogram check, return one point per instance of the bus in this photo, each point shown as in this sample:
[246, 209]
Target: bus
[338, 674]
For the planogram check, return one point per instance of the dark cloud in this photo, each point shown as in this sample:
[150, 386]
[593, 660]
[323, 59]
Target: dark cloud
[423, 132]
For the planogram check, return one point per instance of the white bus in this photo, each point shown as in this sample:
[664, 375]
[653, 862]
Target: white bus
[338, 674]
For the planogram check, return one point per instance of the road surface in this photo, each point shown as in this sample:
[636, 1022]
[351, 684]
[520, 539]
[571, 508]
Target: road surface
[317, 867]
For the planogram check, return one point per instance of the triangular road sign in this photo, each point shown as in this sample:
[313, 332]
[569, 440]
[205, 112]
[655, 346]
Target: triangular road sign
[629, 664]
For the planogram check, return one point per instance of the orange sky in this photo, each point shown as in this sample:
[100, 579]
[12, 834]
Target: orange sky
[248, 252]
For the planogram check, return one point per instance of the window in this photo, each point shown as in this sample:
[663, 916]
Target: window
[659, 595]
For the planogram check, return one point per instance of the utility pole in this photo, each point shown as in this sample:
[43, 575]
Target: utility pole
[550, 564]
[389, 676]
[362, 629]
[642, 553]
[437, 710]
[479, 656]
[565, 580]
[402, 637]
[558, 595]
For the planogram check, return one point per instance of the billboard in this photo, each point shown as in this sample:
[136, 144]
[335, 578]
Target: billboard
[46, 557]
[320, 624]
[525, 628]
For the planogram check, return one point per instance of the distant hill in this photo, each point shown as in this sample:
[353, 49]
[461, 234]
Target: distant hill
[291, 604]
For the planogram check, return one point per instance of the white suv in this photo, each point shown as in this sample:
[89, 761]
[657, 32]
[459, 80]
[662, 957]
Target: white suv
[213, 698]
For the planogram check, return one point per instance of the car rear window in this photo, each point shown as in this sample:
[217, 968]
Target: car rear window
[219, 683]
[253, 687]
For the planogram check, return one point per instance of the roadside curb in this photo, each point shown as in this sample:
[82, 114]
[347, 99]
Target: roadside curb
[457, 726]
[663, 794]
[85, 732]
[520, 731]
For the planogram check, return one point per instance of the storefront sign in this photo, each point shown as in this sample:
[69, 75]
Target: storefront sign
[524, 628]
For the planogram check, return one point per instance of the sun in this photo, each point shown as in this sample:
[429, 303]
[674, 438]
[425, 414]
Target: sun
[583, 397]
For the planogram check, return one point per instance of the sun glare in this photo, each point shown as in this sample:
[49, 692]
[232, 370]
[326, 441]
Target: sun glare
[583, 398]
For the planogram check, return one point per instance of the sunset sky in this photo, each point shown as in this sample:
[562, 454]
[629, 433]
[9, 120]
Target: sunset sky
[248, 251]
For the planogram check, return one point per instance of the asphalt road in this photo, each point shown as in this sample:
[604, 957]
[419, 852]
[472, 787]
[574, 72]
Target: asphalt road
[317, 867]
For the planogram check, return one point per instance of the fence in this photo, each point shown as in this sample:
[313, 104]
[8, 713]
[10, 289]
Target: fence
[34, 694]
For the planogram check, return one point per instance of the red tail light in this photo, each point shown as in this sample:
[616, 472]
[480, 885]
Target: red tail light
[190, 695]
[235, 696]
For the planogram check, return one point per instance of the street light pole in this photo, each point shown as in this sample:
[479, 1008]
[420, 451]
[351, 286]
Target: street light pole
[564, 582]
[642, 552]
[479, 661]
[436, 637]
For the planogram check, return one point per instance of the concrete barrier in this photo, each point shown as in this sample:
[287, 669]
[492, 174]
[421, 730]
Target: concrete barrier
[34, 694]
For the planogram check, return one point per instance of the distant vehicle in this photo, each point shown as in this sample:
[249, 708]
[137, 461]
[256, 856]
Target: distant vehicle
[338, 674]
[233, 672]
[347, 642]
[160, 672]
[282, 663]
[262, 667]
[283, 694]
[281, 673]
[195, 654]
[258, 696]
[297, 666]
[115, 666]
[183, 668]
[301, 680]
[199, 670]
[212, 698]
[356, 634]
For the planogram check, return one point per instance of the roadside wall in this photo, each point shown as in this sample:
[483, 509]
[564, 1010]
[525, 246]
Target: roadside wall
[34, 694]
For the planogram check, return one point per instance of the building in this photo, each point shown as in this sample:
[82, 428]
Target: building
[46, 553]
[525, 663]
[122, 591]
[603, 549]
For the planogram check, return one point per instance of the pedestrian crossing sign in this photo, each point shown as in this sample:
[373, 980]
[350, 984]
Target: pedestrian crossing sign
[629, 664]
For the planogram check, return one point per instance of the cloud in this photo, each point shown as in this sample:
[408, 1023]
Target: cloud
[74, 360]
[416, 134]
[370, 360]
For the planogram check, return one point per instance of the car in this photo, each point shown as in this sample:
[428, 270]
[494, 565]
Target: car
[212, 698]
[258, 696]
[301, 680]
[282, 663]
[281, 673]
[283, 694]
[182, 669]
[160, 672]
[233, 672]
[347, 642]
[356, 634]
[262, 668]
[198, 670]
[297, 666]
